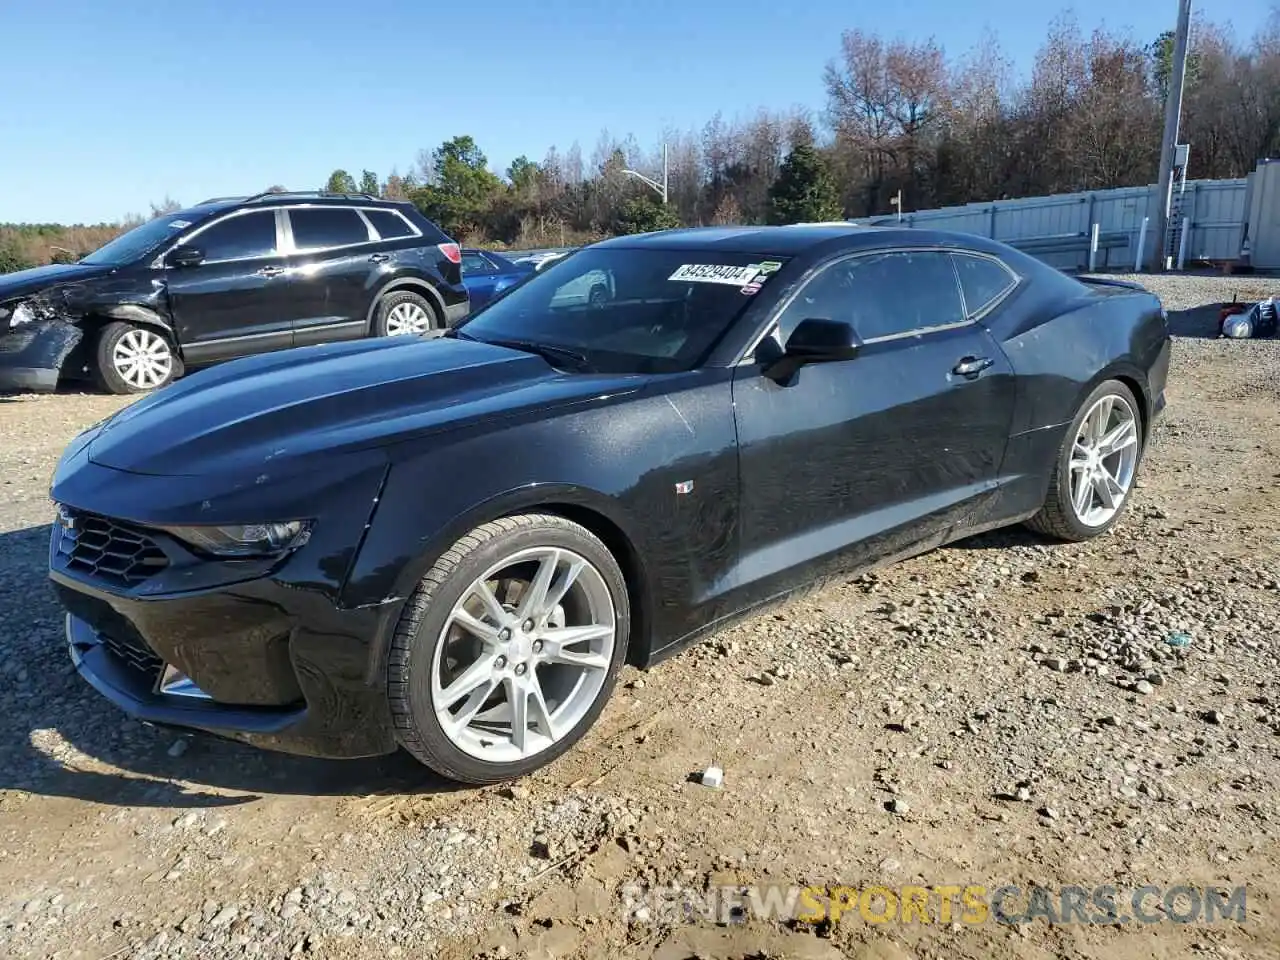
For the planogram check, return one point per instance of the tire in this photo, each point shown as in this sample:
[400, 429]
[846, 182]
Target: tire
[403, 312]
[428, 640]
[155, 362]
[1060, 516]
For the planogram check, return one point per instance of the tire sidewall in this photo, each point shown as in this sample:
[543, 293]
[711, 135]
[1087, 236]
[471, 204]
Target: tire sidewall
[396, 297]
[105, 372]
[427, 638]
[1105, 388]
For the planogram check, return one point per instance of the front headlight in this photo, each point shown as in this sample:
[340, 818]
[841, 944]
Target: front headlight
[245, 540]
[22, 313]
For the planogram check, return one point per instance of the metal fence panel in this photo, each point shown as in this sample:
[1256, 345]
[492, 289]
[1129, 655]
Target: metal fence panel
[1216, 209]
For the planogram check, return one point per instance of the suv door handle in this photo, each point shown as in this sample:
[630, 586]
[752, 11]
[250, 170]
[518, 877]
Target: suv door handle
[379, 258]
[271, 271]
[971, 367]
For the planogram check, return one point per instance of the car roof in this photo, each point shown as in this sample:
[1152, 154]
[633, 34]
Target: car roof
[794, 239]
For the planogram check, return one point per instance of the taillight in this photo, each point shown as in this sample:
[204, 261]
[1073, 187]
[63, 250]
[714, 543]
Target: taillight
[452, 252]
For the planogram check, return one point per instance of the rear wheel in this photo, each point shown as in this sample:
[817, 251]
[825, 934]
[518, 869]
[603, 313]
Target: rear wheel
[509, 648]
[133, 359]
[404, 312]
[1096, 466]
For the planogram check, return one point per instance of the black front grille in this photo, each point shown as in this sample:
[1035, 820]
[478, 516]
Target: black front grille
[107, 550]
[134, 655]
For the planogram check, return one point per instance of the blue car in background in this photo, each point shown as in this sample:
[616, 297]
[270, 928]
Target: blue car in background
[485, 274]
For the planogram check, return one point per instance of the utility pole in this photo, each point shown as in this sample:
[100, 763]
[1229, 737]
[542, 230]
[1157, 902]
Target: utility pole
[660, 187]
[1169, 143]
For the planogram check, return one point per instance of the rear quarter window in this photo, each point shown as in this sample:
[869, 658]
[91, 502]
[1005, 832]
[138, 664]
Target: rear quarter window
[982, 280]
[389, 224]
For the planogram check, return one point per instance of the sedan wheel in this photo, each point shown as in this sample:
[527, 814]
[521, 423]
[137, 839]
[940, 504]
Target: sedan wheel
[509, 649]
[1103, 460]
[1094, 472]
[523, 655]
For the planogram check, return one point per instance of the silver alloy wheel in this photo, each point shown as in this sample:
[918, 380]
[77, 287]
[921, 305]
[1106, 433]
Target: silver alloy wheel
[407, 318]
[523, 655]
[142, 359]
[1103, 459]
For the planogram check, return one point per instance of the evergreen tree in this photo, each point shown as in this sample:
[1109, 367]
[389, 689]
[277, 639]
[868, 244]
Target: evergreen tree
[804, 190]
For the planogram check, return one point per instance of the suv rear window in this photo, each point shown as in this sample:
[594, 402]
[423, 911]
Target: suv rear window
[390, 225]
[315, 228]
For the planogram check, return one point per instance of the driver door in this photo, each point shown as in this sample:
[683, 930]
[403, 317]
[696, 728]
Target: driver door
[236, 300]
[856, 461]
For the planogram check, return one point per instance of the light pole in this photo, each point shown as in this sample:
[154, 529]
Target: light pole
[1172, 114]
[660, 187]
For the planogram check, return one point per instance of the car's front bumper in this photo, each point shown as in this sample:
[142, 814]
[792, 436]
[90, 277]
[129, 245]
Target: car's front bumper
[31, 356]
[113, 676]
[280, 681]
[284, 664]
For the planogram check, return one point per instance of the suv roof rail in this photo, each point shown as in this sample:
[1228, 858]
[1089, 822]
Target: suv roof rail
[218, 200]
[309, 193]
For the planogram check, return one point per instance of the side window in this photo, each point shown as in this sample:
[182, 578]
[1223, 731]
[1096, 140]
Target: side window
[827, 296]
[315, 228]
[240, 237]
[389, 224]
[981, 280]
[473, 264]
[882, 295]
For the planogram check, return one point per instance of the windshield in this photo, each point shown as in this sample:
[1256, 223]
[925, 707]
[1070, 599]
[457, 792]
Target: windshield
[628, 310]
[141, 240]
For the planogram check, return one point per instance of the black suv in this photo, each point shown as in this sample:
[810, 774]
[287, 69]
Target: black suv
[229, 277]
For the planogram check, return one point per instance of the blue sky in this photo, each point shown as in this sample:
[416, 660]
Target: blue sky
[112, 105]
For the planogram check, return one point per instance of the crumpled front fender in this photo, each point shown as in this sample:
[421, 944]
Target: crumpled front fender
[31, 355]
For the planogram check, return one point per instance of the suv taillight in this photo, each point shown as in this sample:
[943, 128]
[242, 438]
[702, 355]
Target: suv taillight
[452, 252]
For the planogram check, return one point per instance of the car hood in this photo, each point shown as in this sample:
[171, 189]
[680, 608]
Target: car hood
[26, 282]
[259, 412]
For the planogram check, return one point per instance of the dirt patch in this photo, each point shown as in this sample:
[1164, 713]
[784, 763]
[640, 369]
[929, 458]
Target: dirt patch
[1005, 711]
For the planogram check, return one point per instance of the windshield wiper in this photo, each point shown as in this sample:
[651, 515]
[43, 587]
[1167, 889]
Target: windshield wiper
[556, 356]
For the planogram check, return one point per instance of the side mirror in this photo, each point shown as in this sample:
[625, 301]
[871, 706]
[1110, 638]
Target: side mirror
[185, 255]
[814, 341]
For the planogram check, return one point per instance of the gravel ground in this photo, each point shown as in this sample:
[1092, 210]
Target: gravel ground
[1003, 711]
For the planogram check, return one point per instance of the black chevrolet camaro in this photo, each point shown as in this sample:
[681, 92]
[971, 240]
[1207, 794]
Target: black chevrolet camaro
[452, 545]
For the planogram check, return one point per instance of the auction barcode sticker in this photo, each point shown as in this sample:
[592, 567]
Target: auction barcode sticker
[716, 273]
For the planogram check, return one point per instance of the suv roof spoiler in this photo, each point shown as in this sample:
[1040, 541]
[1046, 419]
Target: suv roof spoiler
[293, 193]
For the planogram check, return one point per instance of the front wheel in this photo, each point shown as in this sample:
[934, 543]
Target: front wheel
[133, 359]
[509, 648]
[1094, 471]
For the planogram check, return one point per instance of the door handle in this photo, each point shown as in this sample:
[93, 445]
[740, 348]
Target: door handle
[379, 258]
[972, 367]
[271, 271]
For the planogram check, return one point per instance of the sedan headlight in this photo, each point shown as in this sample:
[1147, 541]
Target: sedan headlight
[245, 540]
